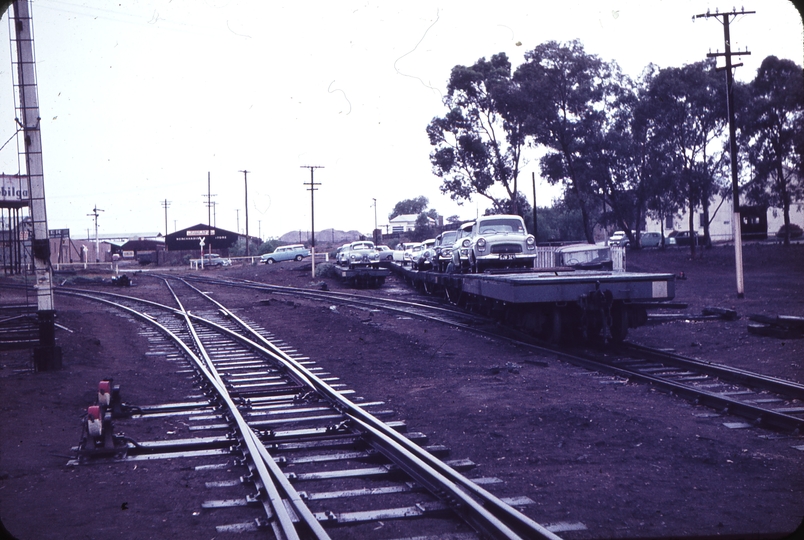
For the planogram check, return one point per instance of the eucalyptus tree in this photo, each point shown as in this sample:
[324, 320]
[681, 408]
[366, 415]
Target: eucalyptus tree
[567, 91]
[478, 143]
[771, 127]
[409, 206]
[687, 108]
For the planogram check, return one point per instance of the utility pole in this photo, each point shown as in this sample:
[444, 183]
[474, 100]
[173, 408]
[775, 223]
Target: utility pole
[245, 178]
[535, 228]
[209, 204]
[735, 219]
[165, 205]
[312, 189]
[97, 243]
[237, 210]
[374, 232]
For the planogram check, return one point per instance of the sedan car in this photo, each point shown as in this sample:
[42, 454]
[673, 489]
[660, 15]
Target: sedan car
[498, 241]
[360, 254]
[683, 238]
[213, 259]
[619, 238]
[650, 239]
[386, 253]
[402, 252]
[295, 252]
[795, 231]
[444, 244]
[424, 258]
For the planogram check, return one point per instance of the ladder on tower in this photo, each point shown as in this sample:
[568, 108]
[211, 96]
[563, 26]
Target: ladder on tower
[47, 355]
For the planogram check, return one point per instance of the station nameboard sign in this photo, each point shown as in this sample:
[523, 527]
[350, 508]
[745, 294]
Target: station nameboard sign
[58, 233]
[14, 189]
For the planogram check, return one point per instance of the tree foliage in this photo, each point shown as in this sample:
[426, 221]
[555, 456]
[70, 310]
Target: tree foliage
[478, 143]
[568, 91]
[683, 112]
[409, 206]
[621, 149]
[771, 125]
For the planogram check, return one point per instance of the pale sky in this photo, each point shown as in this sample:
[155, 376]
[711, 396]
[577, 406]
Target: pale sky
[140, 100]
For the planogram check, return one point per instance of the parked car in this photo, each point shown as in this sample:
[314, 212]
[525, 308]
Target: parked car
[496, 241]
[620, 238]
[340, 253]
[795, 231]
[423, 260]
[361, 253]
[412, 253]
[682, 238]
[386, 253]
[295, 252]
[402, 252]
[444, 244]
[460, 252]
[213, 259]
[650, 239]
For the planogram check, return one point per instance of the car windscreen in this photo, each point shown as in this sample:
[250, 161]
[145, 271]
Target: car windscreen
[500, 226]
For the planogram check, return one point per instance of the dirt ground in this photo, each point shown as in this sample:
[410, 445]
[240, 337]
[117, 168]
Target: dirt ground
[624, 460]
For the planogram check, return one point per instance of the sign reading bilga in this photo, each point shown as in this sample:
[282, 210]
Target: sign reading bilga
[13, 190]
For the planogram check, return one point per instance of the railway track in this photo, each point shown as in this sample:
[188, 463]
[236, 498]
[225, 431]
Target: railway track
[763, 401]
[316, 463]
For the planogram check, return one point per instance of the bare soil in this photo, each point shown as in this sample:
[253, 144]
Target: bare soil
[623, 459]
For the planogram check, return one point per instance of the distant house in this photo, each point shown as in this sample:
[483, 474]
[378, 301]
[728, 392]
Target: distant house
[406, 223]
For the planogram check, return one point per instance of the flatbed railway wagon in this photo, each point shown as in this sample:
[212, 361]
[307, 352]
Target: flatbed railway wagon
[554, 303]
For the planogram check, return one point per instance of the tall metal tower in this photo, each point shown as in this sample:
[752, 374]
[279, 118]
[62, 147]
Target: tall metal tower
[46, 355]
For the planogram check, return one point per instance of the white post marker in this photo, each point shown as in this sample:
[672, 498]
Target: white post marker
[202, 251]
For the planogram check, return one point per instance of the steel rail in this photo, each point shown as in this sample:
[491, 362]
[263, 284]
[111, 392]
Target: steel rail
[758, 380]
[492, 516]
[761, 416]
[257, 448]
[276, 508]
[337, 296]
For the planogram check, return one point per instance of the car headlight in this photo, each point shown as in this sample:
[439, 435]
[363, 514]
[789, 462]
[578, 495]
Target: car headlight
[426, 254]
[466, 242]
[481, 244]
[530, 241]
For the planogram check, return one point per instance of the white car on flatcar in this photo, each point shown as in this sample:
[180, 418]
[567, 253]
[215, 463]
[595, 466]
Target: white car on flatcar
[360, 253]
[500, 241]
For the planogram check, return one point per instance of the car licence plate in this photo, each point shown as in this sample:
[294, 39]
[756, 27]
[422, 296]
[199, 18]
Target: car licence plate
[506, 256]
